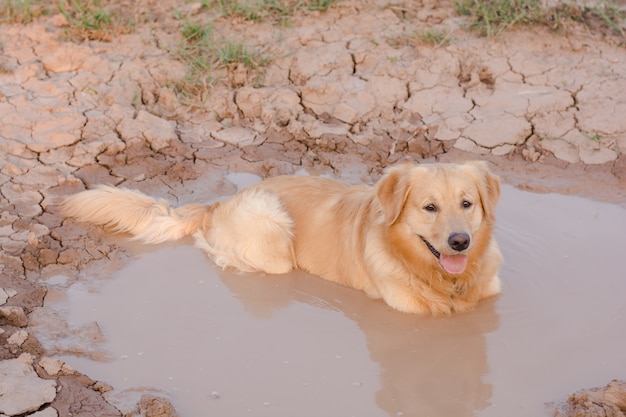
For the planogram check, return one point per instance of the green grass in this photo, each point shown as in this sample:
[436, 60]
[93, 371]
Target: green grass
[21, 11]
[432, 36]
[230, 52]
[593, 137]
[196, 49]
[263, 9]
[199, 43]
[436, 37]
[89, 19]
[611, 15]
[205, 54]
[492, 17]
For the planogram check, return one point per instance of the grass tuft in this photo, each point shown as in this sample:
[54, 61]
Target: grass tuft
[492, 17]
[21, 11]
[435, 36]
[204, 55]
[87, 19]
[264, 9]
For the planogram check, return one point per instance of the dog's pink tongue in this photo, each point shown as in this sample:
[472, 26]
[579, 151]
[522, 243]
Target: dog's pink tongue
[453, 264]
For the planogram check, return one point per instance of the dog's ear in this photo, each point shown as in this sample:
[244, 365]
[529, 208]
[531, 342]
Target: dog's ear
[488, 187]
[393, 190]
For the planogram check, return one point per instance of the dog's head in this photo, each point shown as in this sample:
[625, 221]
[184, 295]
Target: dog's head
[441, 208]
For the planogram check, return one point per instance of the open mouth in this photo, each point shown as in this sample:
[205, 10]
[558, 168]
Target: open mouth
[452, 264]
[432, 248]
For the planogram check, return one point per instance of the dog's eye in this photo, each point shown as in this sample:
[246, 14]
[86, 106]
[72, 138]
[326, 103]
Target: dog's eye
[430, 207]
[466, 204]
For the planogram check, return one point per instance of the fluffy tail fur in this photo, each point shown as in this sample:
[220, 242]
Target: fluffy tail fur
[128, 211]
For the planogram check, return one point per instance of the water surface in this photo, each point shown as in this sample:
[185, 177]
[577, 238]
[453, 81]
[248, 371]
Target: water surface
[228, 344]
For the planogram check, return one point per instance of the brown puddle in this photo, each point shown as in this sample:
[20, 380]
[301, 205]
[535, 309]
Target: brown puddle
[224, 344]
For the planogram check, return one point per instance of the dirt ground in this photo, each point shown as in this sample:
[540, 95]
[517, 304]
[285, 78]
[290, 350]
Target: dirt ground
[346, 92]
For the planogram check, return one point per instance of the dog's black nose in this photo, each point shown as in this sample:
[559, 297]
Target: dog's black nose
[459, 241]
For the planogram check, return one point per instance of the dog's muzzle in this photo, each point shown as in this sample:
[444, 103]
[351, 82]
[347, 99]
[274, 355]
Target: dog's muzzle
[453, 264]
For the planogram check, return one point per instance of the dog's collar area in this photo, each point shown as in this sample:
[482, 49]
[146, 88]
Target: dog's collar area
[431, 248]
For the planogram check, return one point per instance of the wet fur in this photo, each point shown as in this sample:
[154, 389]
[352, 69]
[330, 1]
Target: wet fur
[364, 237]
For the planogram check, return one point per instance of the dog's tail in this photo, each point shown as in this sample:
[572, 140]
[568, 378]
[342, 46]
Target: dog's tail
[128, 211]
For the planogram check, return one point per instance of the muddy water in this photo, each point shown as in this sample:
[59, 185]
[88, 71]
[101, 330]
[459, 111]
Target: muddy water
[223, 344]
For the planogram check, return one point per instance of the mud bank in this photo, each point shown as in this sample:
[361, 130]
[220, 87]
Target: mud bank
[347, 93]
[596, 402]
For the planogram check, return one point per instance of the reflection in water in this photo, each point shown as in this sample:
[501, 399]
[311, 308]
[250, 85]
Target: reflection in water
[428, 366]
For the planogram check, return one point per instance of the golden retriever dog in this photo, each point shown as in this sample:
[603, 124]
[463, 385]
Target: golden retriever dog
[420, 239]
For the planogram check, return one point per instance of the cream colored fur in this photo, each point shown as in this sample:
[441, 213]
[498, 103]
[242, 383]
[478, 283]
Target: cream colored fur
[370, 238]
[250, 232]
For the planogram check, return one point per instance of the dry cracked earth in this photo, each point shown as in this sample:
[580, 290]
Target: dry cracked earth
[346, 92]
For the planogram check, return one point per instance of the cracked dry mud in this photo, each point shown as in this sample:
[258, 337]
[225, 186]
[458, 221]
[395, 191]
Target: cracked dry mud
[347, 92]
